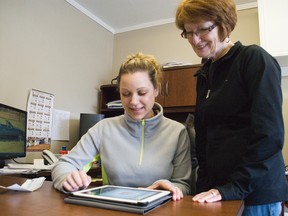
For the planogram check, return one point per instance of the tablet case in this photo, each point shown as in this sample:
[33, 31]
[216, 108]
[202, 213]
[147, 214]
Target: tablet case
[118, 206]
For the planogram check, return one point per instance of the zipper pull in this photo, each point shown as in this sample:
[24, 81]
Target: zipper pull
[208, 93]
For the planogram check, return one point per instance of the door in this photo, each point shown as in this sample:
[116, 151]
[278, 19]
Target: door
[178, 88]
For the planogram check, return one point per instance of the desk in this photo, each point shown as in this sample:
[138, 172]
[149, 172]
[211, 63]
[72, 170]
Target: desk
[94, 173]
[48, 201]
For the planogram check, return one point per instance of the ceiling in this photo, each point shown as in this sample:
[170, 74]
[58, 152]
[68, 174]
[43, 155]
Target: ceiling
[125, 15]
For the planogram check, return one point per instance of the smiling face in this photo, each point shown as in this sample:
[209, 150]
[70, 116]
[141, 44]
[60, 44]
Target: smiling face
[196, 15]
[208, 45]
[137, 94]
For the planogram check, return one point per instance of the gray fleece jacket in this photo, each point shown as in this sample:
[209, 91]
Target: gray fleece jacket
[133, 153]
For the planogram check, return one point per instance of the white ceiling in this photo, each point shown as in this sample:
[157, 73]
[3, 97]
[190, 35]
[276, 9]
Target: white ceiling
[126, 15]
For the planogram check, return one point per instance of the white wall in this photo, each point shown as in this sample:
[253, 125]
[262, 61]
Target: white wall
[49, 45]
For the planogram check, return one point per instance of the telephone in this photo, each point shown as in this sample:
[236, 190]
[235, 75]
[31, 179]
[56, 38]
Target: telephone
[49, 157]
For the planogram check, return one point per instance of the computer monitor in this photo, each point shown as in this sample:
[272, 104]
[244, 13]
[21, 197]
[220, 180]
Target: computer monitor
[13, 123]
[87, 120]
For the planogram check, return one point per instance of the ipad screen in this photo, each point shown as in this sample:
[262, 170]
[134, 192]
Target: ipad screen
[122, 193]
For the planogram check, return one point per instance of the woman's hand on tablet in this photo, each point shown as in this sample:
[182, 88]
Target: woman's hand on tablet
[76, 180]
[167, 185]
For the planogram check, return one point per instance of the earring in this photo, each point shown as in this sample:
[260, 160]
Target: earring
[227, 39]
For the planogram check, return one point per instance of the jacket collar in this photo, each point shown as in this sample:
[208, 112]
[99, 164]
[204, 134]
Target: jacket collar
[135, 126]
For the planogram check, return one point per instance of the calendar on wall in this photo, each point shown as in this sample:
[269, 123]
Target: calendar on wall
[39, 120]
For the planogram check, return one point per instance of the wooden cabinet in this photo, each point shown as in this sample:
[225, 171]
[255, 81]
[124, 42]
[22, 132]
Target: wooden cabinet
[178, 88]
[177, 94]
[273, 28]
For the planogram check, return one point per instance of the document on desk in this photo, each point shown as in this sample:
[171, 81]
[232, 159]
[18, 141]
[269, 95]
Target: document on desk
[30, 166]
[28, 186]
[7, 170]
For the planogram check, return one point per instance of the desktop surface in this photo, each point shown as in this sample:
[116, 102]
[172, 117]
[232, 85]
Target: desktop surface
[48, 201]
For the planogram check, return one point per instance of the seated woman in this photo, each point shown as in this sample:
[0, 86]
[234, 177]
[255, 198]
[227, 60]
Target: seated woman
[141, 148]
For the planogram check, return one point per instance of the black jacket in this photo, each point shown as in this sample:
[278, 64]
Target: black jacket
[239, 127]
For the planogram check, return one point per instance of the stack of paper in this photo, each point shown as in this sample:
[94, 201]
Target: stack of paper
[116, 104]
[7, 170]
[176, 64]
[30, 166]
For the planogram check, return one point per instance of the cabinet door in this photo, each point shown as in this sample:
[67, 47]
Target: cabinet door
[178, 88]
[273, 26]
[161, 95]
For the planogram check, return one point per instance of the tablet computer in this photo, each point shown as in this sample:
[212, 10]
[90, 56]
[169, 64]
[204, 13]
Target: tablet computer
[120, 194]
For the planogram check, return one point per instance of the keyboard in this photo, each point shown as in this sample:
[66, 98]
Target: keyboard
[30, 166]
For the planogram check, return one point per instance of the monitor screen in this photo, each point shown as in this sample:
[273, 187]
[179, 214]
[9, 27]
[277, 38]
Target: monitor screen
[12, 133]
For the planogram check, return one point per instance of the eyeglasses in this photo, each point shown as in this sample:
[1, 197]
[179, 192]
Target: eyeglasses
[199, 32]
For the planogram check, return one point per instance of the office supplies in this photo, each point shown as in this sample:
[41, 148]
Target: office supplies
[63, 150]
[136, 200]
[49, 157]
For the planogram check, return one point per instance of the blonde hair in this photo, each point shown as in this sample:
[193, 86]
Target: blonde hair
[221, 12]
[141, 62]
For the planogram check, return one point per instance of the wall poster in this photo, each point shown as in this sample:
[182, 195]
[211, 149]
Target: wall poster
[39, 120]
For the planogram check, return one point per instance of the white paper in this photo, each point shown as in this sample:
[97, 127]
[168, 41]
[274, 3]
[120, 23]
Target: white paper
[28, 186]
[7, 170]
[117, 104]
[60, 128]
[176, 64]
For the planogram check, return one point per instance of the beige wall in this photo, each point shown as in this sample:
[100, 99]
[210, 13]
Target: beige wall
[165, 43]
[51, 46]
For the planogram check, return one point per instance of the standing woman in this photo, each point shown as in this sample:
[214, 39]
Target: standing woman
[141, 148]
[238, 118]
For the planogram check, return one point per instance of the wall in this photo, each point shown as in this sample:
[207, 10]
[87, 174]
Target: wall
[51, 46]
[165, 43]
